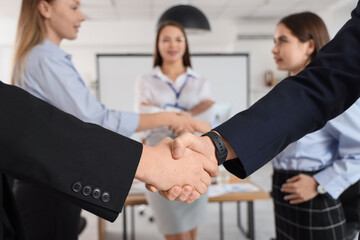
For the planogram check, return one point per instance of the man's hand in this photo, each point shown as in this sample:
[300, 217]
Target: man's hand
[184, 194]
[159, 169]
[301, 188]
[201, 145]
[205, 147]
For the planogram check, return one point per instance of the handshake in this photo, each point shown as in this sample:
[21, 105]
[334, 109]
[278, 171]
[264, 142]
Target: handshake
[180, 169]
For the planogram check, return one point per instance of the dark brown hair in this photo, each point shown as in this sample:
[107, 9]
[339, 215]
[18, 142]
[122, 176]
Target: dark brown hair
[306, 26]
[157, 57]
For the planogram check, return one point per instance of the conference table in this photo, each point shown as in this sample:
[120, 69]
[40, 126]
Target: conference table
[139, 198]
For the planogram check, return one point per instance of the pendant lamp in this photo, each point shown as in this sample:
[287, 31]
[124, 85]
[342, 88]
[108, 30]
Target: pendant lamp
[190, 17]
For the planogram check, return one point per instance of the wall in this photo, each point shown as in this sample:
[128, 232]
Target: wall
[138, 36]
[336, 16]
[125, 39]
[261, 58]
[7, 36]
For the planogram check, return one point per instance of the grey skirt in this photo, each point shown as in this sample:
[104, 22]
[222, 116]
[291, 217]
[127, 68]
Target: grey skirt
[172, 217]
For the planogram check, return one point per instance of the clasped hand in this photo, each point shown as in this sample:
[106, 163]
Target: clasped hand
[300, 188]
[180, 169]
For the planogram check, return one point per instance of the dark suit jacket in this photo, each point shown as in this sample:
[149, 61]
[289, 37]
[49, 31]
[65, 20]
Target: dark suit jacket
[53, 150]
[299, 104]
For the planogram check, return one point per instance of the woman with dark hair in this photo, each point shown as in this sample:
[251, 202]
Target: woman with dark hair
[298, 39]
[173, 86]
[311, 173]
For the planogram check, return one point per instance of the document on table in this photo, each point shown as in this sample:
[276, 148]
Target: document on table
[214, 190]
[220, 189]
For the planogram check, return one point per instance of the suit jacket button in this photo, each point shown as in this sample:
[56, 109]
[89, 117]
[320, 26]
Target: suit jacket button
[76, 187]
[105, 197]
[86, 190]
[96, 193]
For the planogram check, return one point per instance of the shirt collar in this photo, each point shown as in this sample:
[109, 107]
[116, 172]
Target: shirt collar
[54, 49]
[189, 73]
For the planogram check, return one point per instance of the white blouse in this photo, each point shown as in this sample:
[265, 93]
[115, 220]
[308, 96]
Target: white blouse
[186, 92]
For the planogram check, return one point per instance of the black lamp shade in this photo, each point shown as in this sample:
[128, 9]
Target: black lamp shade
[188, 16]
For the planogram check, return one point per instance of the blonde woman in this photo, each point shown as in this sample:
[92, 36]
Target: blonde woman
[42, 68]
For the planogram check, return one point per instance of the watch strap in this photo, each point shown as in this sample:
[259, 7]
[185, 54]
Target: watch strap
[220, 148]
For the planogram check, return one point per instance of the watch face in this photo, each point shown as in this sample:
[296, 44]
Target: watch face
[321, 190]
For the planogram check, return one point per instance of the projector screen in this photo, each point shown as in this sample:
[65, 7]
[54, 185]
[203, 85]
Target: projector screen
[228, 75]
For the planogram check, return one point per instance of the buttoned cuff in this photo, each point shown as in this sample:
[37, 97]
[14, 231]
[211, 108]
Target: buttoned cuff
[333, 183]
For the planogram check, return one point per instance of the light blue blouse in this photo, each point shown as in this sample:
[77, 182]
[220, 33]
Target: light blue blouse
[335, 149]
[50, 75]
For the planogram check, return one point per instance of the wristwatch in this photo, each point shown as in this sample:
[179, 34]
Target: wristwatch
[320, 189]
[220, 148]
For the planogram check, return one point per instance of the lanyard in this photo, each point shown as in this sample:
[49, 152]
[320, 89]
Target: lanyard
[177, 94]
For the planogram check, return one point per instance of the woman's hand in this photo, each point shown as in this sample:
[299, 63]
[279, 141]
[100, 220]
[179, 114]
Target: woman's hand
[185, 124]
[184, 113]
[201, 126]
[181, 124]
[147, 103]
[301, 188]
[203, 106]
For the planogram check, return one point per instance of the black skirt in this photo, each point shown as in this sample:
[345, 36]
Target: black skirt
[319, 218]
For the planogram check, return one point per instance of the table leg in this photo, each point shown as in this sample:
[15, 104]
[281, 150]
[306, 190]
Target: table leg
[251, 223]
[221, 221]
[238, 215]
[124, 224]
[250, 233]
[101, 228]
[132, 223]
[240, 226]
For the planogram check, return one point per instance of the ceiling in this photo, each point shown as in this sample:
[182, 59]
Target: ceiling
[214, 9]
[252, 10]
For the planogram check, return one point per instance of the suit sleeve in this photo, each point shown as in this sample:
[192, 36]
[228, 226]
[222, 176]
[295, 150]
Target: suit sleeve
[298, 105]
[54, 150]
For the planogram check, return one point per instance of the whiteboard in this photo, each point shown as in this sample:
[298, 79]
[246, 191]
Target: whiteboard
[228, 75]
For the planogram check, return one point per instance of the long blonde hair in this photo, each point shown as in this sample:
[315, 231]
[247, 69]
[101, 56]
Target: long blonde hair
[30, 32]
